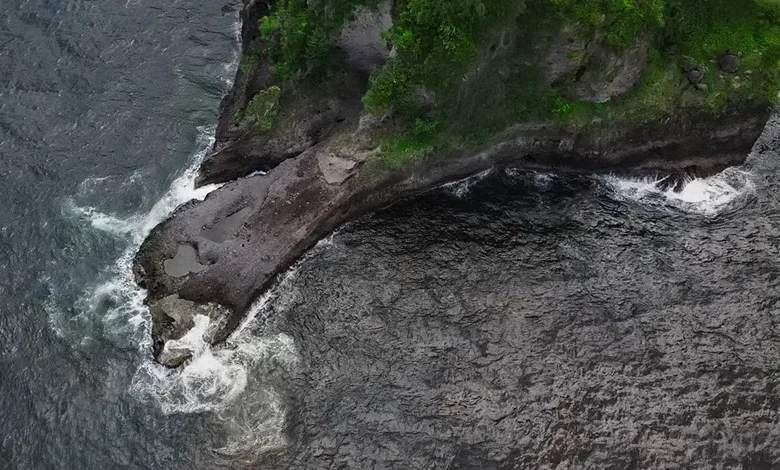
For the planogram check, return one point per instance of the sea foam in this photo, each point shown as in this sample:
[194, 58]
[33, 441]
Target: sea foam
[113, 309]
[704, 196]
[214, 379]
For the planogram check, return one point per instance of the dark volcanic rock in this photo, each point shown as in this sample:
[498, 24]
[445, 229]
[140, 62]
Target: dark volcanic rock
[591, 70]
[304, 120]
[539, 359]
[227, 249]
[696, 75]
[304, 198]
[539, 323]
[610, 74]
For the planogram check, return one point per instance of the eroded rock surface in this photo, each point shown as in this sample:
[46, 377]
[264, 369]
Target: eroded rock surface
[251, 229]
[590, 69]
[362, 40]
[610, 74]
[539, 323]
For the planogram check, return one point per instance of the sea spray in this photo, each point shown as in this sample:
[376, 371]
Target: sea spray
[115, 304]
[229, 379]
[704, 196]
[215, 376]
[462, 188]
[214, 379]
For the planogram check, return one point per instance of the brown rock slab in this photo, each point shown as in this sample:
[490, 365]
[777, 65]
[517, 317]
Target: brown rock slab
[336, 170]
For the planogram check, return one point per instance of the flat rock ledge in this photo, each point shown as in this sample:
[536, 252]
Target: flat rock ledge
[213, 258]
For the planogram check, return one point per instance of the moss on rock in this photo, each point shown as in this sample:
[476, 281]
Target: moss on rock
[262, 109]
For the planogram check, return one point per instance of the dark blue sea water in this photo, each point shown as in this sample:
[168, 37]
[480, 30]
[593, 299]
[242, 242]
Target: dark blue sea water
[103, 104]
[514, 320]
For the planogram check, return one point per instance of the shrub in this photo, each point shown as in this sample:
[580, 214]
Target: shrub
[261, 111]
[300, 33]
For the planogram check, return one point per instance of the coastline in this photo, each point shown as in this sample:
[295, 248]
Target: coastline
[217, 256]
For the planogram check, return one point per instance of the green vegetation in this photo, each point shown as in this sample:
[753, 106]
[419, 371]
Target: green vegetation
[474, 57]
[621, 21]
[702, 30]
[698, 35]
[299, 34]
[262, 110]
[467, 69]
[296, 37]
[436, 42]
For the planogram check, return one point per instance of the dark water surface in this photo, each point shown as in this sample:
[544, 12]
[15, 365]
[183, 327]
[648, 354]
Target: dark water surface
[515, 320]
[102, 104]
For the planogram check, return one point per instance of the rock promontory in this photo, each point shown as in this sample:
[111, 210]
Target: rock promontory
[340, 108]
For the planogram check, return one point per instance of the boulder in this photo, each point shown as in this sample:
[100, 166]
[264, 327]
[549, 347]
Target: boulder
[178, 328]
[729, 63]
[592, 70]
[609, 73]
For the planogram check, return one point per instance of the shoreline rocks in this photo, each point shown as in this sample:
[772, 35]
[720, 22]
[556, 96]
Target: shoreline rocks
[263, 224]
[215, 258]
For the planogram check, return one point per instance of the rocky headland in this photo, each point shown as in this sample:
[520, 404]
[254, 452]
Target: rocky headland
[303, 146]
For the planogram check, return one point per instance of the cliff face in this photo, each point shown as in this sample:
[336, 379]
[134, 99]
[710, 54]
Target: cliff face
[323, 154]
[310, 114]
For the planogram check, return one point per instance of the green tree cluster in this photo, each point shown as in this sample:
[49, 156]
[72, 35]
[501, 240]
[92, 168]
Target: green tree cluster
[299, 34]
[441, 45]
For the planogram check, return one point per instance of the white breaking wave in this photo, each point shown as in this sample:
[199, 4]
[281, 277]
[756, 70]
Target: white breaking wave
[215, 377]
[138, 226]
[706, 196]
[117, 302]
[462, 187]
[219, 380]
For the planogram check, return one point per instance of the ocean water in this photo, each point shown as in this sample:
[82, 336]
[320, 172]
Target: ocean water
[105, 110]
[511, 320]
